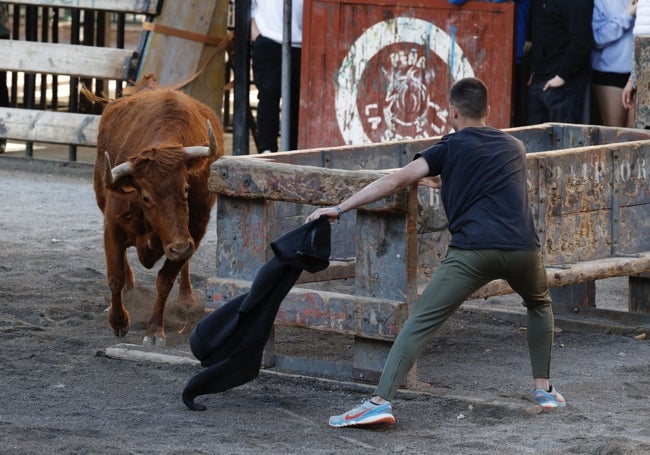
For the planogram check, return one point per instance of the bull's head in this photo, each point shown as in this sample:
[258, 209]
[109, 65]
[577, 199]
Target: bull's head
[112, 175]
[163, 195]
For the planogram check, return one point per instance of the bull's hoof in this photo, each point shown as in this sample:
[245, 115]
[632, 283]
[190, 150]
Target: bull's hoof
[121, 332]
[120, 323]
[188, 399]
[154, 341]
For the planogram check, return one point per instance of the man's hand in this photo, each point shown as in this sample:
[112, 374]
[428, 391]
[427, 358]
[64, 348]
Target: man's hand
[556, 81]
[431, 182]
[331, 213]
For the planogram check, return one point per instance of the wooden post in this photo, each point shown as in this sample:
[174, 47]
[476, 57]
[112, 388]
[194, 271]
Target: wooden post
[174, 59]
[639, 295]
[642, 69]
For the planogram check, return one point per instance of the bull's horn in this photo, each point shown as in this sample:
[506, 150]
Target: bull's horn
[212, 139]
[112, 175]
[201, 151]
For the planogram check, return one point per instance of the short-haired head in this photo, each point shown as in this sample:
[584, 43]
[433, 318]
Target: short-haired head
[469, 97]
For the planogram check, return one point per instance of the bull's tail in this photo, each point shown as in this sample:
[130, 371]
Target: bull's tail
[92, 97]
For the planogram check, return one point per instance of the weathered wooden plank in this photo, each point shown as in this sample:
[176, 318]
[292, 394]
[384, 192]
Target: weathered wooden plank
[367, 317]
[49, 126]
[67, 59]
[122, 6]
[136, 353]
[577, 273]
[258, 178]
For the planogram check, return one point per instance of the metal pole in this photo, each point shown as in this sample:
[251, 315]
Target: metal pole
[285, 124]
[241, 69]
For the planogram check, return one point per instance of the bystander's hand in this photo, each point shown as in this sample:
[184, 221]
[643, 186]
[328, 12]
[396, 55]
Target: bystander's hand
[556, 81]
[631, 8]
[628, 95]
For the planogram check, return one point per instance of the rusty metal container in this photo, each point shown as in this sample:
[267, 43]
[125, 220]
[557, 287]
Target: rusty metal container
[377, 71]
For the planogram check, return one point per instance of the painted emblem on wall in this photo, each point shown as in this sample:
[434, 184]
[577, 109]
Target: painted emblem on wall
[385, 86]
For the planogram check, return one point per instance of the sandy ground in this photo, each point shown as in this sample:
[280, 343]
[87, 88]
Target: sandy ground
[60, 393]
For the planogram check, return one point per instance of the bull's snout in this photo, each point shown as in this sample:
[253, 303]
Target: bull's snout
[177, 251]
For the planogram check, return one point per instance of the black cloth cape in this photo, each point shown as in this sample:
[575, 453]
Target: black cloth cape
[230, 341]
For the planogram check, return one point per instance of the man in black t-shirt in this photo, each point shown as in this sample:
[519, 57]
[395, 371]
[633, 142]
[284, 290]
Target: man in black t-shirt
[482, 175]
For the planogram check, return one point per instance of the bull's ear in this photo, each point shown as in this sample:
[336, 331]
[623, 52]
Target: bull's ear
[127, 188]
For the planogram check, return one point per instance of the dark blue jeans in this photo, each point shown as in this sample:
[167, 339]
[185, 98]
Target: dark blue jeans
[564, 104]
[267, 76]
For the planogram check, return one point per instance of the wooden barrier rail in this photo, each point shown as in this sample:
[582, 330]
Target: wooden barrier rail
[62, 59]
[176, 60]
[591, 204]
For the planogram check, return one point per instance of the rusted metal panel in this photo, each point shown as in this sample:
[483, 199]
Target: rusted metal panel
[376, 71]
[243, 246]
[576, 201]
[537, 138]
[382, 256]
[631, 169]
[433, 233]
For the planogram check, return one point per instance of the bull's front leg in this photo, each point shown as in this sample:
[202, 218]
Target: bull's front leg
[155, 333]
[117, 269]
[185, 291]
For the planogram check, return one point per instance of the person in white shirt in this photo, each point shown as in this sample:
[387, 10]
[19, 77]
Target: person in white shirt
[266, 35]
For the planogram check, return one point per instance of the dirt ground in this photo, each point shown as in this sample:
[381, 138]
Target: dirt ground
[61, 393]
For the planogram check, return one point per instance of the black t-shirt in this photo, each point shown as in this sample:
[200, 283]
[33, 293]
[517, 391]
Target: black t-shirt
[484, 189]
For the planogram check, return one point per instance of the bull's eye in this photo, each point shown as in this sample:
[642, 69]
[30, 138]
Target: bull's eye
[186, 191]
[146, 199]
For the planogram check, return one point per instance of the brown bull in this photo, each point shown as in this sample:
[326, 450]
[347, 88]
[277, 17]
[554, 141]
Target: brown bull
[151, 183]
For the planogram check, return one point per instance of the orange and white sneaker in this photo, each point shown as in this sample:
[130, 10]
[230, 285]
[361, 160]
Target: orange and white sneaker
[368, 414]
[548, 400]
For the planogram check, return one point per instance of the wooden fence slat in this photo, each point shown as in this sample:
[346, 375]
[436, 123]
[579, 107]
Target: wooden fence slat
[122, 6]
[66, 59]
[49, 126]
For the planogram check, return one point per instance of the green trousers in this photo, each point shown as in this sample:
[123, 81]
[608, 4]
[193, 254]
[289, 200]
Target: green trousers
[460, 274]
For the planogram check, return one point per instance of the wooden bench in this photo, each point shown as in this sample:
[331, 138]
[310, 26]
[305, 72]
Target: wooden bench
[588, 189]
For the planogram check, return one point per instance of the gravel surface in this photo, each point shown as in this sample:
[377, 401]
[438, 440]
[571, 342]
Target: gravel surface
[61, 393]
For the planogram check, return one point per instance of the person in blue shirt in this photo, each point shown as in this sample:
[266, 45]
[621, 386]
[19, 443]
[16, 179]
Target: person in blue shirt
[611, 59]
[482, 175]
